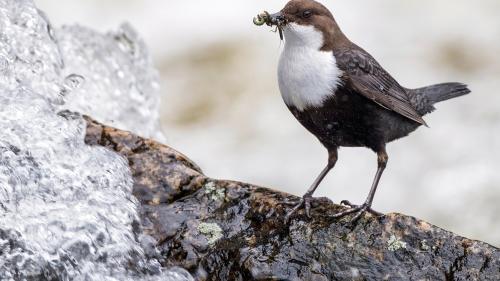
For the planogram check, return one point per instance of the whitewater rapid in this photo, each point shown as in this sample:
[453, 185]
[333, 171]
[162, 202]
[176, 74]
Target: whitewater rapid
[66, 209]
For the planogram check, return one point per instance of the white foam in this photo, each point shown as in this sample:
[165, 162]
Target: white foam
[66, 209]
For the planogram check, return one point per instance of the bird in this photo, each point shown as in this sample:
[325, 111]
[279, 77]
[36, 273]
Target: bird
[342, 95]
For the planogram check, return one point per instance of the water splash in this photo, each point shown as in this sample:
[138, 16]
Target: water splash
[119, 78]
[66, 209]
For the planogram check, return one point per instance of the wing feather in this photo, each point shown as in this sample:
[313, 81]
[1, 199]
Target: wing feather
[364, 74]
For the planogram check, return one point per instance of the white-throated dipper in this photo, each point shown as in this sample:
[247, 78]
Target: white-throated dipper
[341, 94]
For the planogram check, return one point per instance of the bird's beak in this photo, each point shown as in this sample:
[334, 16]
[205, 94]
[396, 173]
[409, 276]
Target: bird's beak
[277, 19]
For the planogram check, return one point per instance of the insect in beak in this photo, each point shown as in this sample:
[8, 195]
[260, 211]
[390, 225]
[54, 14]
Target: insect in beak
[261, 19]
[280, 30]
[271, 19]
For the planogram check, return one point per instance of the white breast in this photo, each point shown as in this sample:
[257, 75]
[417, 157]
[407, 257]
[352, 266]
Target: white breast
[306, 75]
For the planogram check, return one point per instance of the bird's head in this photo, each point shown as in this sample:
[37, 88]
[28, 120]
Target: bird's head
[306, 22]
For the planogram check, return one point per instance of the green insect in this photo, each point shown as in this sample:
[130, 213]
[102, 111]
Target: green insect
[261, 19]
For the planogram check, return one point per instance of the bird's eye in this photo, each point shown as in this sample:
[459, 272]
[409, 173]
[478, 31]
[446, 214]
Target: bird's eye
[306, 14]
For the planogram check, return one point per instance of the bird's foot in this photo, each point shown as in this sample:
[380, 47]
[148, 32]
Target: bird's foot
[304, 202]
[358, 210]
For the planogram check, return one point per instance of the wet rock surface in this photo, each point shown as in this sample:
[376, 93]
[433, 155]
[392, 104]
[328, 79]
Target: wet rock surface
[225, 230]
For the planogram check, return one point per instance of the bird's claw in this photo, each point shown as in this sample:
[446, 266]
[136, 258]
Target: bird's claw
[358, 210]
[290, 202]
[304, 202]
[347, 203]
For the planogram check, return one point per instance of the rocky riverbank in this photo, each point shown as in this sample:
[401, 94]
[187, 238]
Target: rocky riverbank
[225, 230]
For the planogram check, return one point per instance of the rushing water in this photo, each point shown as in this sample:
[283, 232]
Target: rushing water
[66, 209]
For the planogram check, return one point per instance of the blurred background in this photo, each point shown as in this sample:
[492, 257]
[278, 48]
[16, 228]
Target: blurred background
[221, 105]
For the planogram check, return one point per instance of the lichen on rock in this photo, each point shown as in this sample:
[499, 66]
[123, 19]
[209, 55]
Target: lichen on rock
[394, 243]
[211, 231]
[214, 192]
[424, 246]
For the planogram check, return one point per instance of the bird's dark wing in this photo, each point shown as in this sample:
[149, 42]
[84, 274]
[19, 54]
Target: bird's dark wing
[363, 73]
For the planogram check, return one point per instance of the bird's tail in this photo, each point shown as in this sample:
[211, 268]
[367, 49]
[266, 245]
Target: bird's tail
[441, 92]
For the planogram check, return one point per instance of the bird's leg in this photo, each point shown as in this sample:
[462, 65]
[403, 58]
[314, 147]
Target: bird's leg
[305, 201]
[382, 159]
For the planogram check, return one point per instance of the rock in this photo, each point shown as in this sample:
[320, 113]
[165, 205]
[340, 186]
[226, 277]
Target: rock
[226, 230]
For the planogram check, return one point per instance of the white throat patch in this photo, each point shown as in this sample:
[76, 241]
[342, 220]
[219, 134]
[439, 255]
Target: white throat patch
[306, 75]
